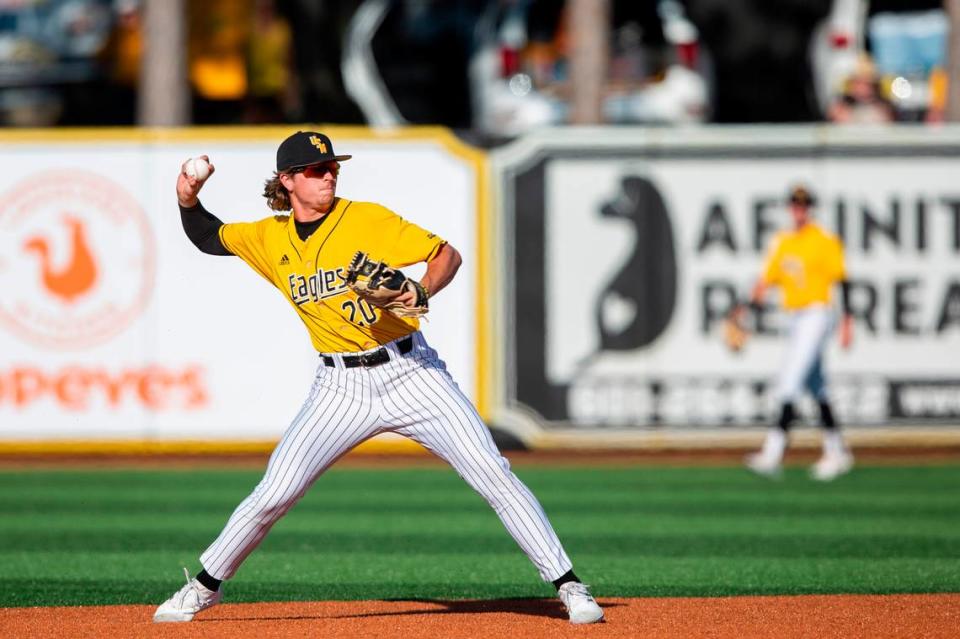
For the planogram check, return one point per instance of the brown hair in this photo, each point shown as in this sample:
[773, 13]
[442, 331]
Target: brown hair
[278, 198]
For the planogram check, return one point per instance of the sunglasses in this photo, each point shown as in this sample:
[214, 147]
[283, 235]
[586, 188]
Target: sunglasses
[318, 170]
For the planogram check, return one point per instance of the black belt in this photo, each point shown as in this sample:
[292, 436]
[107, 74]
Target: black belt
[369, 360]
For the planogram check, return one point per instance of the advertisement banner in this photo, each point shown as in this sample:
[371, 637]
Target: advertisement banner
[624, 250]
[114, 326]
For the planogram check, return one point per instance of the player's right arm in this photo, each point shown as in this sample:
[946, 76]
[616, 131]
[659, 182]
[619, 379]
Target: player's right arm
[203, 229]
[200, 225]
[769, 276]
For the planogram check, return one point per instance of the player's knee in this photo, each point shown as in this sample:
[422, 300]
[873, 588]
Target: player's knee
[498, 486]
[272, 505]
[496, 470]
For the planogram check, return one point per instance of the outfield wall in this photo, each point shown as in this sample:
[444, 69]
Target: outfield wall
[114, 327]
[624, 248]
[597, 264]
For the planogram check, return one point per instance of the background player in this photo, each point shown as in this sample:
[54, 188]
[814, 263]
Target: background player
[805, 263]
[376, 371]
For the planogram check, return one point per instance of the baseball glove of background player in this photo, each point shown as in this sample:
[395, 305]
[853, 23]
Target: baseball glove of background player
[734, 334]
[381, 285]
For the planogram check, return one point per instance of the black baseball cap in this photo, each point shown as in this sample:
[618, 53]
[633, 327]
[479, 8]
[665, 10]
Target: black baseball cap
[801, 196]
[304, 148]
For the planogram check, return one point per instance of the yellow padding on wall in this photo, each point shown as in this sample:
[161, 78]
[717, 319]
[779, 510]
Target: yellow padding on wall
[375, 446]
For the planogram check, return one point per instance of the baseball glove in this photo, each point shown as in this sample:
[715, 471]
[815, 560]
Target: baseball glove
[381, 285]
[734, 334]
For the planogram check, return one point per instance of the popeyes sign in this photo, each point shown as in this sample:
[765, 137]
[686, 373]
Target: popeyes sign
[80, 388]
[77, 269]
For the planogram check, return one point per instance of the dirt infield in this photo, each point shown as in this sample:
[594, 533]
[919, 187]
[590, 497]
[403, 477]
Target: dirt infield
[814, 616]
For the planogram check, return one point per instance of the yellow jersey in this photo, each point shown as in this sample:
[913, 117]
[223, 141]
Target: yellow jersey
[311, 275]
[805, 264]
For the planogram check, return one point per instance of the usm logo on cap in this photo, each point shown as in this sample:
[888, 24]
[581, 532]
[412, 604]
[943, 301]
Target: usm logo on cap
[317, 142]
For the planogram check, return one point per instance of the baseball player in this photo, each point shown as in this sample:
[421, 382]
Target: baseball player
[376, 371]
[805, 263]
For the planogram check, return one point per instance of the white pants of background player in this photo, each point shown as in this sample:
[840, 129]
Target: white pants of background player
[808, 332]
[412, 395]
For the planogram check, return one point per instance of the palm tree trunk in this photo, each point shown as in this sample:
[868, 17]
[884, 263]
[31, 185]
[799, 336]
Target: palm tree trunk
[164, 98]
[590, 41]
[953, 61]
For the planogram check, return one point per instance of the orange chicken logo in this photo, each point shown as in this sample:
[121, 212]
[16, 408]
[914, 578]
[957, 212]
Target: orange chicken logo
[84, 259]
[78, 276]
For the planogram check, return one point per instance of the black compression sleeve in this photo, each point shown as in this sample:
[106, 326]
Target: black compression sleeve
[202, 227]
[845, 297]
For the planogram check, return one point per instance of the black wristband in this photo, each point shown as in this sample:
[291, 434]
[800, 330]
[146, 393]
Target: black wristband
[845, 301]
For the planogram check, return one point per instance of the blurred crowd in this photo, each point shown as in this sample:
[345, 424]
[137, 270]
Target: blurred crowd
[496, 66]
[78, 62]
[889, 62]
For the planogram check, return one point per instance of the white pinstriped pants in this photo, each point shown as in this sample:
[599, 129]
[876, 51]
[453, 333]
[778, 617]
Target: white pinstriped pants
[412, 395]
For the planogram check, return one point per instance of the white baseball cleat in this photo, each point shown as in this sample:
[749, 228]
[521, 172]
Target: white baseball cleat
[763, 465]
[829, 467]
[581, 606]
[187, 601]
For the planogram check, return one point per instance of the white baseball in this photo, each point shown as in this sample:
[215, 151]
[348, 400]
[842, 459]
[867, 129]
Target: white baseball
[197, 168]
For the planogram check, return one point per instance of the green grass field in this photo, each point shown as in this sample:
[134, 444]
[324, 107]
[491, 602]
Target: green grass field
[101, 537]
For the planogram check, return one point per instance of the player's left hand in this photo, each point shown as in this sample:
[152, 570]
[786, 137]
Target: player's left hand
[407, 298]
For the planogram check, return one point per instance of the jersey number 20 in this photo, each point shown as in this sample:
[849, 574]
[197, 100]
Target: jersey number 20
[367, 317]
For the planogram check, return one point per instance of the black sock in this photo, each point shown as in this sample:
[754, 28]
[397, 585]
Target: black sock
[826, 416]
[564, 578]
[787, 415]
[208, 582]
